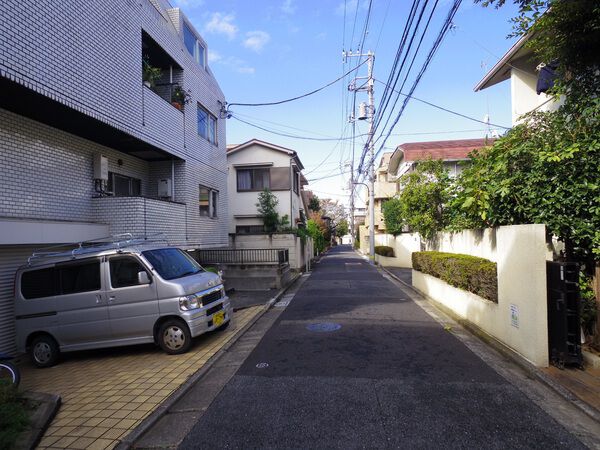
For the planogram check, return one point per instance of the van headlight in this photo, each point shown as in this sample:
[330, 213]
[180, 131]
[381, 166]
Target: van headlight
[189, 302]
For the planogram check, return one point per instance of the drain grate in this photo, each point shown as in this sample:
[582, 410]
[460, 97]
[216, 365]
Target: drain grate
[323, 327]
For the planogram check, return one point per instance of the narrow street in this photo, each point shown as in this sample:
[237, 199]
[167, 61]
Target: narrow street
[353, 362]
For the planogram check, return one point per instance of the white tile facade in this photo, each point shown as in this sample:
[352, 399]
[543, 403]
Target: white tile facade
[88, 56]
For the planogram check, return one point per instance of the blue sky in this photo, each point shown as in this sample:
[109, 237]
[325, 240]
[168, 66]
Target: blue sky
[262, 51]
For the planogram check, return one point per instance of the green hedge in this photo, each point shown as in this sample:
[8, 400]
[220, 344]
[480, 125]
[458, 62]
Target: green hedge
[384, 250]
[473, 274]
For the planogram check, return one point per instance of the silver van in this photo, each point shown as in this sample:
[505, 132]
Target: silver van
[113, 295]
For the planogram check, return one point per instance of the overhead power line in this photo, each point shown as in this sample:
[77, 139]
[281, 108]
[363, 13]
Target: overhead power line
[293, 136]
[446, 109]
[279, 102]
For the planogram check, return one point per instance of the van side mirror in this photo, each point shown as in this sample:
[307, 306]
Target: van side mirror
[143, 277]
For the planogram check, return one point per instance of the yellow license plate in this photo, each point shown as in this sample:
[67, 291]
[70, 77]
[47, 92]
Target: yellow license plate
[218, 318]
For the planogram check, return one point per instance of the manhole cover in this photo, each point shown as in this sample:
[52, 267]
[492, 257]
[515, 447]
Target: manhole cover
[262, 365]
[323, 327]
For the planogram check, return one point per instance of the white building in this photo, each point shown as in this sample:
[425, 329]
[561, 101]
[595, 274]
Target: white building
[385, 189]
[522, 68]
[87, 149]
[254, 166]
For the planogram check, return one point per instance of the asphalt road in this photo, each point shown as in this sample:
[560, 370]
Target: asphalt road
[352, 362]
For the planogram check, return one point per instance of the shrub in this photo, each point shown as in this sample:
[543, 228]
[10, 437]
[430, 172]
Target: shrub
[473, 274]
[13, 416]
[384, 250]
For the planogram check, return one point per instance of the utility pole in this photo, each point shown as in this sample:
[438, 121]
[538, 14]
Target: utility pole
[368, 114]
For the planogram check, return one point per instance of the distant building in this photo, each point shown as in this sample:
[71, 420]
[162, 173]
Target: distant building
[529, 79]
[385, 189]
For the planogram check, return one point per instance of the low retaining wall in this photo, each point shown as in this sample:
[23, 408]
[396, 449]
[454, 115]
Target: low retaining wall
[299, 252]
[519, 319]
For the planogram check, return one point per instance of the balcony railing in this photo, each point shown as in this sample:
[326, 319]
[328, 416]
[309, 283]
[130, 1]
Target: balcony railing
[243, 256]
[167, 91]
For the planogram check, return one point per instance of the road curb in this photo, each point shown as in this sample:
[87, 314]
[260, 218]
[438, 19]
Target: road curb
[505, 351]
[164, 407]
[41, 419]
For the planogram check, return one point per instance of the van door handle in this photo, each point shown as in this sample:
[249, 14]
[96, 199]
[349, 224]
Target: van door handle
[111, 299]
[98, 298]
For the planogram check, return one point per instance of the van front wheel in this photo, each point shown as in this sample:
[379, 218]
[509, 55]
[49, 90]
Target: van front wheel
[174, 337]
[44, 351]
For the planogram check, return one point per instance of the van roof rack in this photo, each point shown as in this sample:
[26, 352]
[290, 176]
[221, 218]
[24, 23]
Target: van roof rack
[115, 241]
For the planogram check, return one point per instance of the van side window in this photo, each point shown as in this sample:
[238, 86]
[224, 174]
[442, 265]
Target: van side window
[38, 283]
[124, 271]
[79, 277]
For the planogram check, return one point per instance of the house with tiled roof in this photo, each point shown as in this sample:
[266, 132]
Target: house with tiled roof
[453, 153]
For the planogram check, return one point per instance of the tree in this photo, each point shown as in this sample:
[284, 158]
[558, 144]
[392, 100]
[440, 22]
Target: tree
[317, 228]
[342, 228]
[314, 204]
[333, 209]
[267, 209]
[421, 202]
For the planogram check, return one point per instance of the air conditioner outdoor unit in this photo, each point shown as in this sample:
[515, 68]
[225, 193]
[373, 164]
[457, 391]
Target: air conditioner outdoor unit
[100, 167]
[164, 188]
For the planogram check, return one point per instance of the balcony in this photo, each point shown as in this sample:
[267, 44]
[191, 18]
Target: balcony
[142, 217]
[385, 189]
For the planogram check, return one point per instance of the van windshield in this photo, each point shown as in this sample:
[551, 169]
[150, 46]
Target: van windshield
[171, 263]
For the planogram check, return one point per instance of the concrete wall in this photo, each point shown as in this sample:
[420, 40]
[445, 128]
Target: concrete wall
[404, 245]
[519, 319]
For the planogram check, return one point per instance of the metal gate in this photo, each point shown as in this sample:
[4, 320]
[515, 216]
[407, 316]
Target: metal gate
[564, 324]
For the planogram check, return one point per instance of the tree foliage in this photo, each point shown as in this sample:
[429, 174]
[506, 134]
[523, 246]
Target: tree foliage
[342, 228]
[546, 170]
[314, 204]
[421, 203]
[317, 229]
[267, 209]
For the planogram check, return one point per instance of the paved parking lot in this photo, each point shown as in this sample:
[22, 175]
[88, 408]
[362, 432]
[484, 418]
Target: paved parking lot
[107, 393]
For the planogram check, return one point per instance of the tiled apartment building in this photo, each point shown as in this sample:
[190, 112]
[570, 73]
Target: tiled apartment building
[87, 149]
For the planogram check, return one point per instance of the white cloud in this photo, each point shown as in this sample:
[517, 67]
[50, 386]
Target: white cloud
[222, 24]
[288, 7]
[321, 36]
[245, 69]
[214, 56]
[256, 40]
[232, 62]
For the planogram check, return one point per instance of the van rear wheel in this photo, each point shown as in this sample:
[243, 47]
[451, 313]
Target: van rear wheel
[174, 337]
[44, 351]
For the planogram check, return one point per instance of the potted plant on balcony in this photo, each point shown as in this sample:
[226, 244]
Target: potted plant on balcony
[180, 97]
[150, 74]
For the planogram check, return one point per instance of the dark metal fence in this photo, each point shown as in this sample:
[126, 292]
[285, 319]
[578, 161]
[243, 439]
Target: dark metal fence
[243, 256]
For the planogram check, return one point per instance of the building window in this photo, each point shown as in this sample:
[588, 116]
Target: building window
[207, 125]
[253, 179]
[296, 182]
[124, 186]
[194, 46]
[207, 201]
